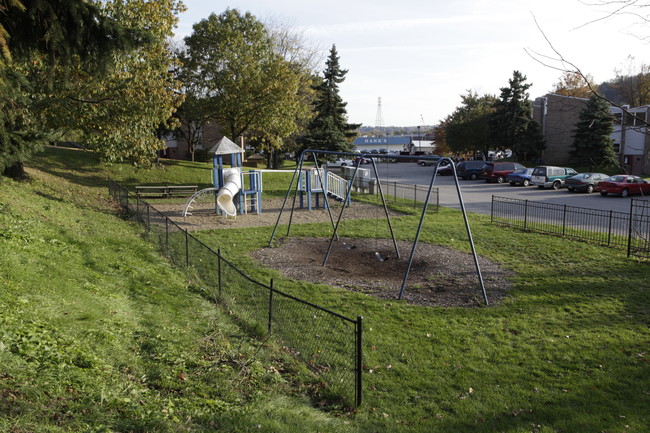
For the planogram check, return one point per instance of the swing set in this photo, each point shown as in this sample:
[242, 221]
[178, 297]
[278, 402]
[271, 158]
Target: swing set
[314, 154]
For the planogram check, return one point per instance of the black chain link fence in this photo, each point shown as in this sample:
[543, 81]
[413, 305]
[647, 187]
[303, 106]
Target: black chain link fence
[604, 227]
[329, 343]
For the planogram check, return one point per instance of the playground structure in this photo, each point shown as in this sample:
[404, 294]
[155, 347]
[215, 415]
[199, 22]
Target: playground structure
[234, 190]
[320, 179]
[317, 183]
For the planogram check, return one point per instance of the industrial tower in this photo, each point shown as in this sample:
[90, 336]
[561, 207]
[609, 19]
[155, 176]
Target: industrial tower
[379, 120]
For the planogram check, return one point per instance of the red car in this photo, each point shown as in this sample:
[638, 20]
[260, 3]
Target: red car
[624, 185]
[497, 171]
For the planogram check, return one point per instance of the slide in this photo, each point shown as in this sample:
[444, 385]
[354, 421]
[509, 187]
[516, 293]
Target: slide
[230, 188]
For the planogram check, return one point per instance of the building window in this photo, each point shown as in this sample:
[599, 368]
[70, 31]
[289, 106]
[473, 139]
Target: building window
[635, 119]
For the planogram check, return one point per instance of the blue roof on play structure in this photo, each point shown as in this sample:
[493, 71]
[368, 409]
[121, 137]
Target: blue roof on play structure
[380, 141]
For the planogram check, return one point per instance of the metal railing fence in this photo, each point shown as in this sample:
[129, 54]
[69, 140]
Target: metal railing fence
[328, 342]
[639, 237]
[417, 193]
[604, 227]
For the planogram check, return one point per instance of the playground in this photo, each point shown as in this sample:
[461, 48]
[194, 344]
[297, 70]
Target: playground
[440, 276]
[437, 275]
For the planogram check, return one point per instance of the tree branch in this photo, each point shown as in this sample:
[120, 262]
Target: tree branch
[575, 69]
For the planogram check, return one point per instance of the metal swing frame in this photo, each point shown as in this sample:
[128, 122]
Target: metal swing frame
[314, 152]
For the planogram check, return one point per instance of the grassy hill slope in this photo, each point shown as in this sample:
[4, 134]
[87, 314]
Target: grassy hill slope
[99, 333]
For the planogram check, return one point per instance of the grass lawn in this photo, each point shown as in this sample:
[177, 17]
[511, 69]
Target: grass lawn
[98, 333]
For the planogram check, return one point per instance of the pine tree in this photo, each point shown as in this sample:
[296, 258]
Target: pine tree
[510, 124]
[329, 129]
[592, 142]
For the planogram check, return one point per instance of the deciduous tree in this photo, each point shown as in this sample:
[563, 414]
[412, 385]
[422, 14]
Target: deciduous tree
[633, 85]
[50, 32]
[467, 129]
[573, 84]
[236, 70]
[117, 113]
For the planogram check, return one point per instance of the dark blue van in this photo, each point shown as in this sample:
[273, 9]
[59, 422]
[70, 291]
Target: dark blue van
[470, 169]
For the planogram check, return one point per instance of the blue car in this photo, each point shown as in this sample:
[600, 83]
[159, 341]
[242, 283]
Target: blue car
[520, 177]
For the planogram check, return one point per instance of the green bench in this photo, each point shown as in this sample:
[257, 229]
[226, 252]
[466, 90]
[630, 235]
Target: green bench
[165, 191]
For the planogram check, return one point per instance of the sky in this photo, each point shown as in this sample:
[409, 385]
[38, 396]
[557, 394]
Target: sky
[420, 56]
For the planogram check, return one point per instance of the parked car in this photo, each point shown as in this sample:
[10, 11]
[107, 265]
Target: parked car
[547, 176]
[624, 185]
[584, 182]
[340, 162]
[425, 162]
[469, 169]
[520, 177]
[445, 170]
[497, 171]
[363, 160]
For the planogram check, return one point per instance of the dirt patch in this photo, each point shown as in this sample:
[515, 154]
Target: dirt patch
[439, 275]
[204, 217]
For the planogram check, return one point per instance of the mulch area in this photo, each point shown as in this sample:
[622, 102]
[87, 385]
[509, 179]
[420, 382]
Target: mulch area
[439, 276]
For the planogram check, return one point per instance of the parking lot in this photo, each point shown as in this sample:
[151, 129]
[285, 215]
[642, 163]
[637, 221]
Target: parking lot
[477, 194]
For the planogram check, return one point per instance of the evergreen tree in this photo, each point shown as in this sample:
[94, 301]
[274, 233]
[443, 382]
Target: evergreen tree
[510, 123]
[592, 142]
[329, 129]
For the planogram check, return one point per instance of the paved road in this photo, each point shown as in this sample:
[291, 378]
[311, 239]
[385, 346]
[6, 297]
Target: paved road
[477, 194]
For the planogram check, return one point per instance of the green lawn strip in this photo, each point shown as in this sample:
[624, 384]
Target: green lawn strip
[571, 338]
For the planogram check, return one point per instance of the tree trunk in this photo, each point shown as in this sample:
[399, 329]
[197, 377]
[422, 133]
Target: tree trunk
[269, 160]
[16, 171]
[276, 158]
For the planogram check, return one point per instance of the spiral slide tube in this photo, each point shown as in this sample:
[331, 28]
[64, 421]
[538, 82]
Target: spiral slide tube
[230, 188]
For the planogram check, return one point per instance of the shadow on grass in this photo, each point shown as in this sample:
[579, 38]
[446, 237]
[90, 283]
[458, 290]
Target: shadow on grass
[75, 165]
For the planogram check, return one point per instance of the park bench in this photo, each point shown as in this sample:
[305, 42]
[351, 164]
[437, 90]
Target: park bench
[165, 191]
[181, 190]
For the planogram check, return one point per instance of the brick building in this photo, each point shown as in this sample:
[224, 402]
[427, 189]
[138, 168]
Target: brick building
[559, 114]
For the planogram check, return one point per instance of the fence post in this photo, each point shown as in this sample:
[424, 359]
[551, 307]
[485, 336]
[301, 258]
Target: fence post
[415, 195]
[525, 214]
[629, 231]
[219, 269]
[167, 236]
[359, 360]
[564, 221]
[187, 249]
[437, 199]
[609, 229]
[270, 305]
[492, 210]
